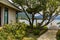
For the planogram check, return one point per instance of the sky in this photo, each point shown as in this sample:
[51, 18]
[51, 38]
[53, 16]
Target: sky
[10, 0]
[37, 14]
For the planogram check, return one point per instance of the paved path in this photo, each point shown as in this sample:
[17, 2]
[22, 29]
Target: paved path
[49, 35]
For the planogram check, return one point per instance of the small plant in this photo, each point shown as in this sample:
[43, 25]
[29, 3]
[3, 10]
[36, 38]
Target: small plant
[36, 32]
[58, 35]
[39, 30]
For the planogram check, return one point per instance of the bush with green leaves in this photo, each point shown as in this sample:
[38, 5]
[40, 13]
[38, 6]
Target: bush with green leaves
[36, 30]
[13, 31]
[17, 31]
[58, 35]
[40, 31]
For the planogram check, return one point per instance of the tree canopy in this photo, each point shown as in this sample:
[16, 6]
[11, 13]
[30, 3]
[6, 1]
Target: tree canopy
[49, 8]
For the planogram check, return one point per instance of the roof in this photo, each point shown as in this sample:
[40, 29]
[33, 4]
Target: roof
[6, 2]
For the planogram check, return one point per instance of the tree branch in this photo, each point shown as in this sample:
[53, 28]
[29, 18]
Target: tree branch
[27, 4]
[40, 14]
[52, 18]
[26, 14]
[42, 19]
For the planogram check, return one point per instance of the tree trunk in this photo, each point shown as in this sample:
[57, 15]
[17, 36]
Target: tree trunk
[32, 20]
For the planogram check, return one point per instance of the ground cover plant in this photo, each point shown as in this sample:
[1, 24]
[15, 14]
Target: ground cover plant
[19, 31]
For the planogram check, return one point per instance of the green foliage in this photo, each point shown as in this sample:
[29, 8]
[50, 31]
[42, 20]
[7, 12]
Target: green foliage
[47, 7]
[40, 31]
[37, 5]
[45, 27]
[58, 23]
[18, 31]
[36, 31]
[58, 35]
[13, 31]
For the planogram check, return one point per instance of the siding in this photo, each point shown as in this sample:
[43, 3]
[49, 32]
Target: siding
[11, 16]
[2, 15]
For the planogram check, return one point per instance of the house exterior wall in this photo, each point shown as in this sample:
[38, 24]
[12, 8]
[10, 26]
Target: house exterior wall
[2, 15]
[11, 15]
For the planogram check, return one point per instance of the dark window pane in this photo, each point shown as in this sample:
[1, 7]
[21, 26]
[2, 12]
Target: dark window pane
[6, 16]
[16, 16]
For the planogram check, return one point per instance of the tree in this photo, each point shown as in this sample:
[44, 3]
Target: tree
[49, 8]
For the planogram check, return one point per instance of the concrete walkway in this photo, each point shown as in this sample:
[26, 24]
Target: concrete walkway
[49, 35]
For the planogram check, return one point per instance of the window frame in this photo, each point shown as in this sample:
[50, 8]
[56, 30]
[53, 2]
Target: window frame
[16, 16]
[5, 10]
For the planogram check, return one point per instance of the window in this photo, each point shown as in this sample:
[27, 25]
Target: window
[16, 16]
[6, 16]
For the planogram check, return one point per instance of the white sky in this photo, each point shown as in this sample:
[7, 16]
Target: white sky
[10, 0]
[37, 14]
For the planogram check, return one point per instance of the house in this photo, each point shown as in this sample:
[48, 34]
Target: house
[8, 12]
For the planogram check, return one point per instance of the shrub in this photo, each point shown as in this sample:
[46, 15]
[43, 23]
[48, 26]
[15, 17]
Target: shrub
[13, 31]
[36, 30]
[58, 35]
[18, 31]
[40, 31]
